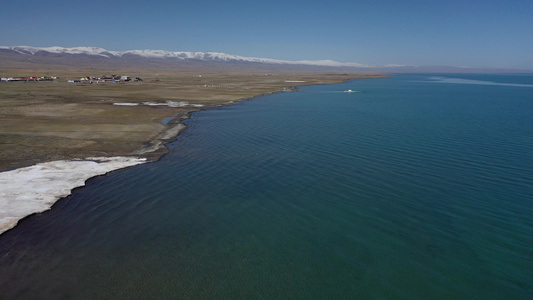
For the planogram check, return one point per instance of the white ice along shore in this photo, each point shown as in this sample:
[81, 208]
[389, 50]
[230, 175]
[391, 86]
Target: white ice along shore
[167, 103]
[35, 189]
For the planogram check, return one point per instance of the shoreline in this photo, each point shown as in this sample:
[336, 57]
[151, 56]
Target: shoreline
[22, 193]
[46, 121]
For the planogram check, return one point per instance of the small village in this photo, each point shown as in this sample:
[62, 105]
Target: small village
[86, 79]
[10, 79]
[106, 78]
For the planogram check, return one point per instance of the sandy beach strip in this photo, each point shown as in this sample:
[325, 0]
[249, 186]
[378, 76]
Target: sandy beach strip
[35, 189]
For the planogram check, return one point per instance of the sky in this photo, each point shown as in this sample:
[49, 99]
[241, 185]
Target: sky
[470, 33]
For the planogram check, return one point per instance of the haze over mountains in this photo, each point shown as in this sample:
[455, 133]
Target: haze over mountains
[59, 58]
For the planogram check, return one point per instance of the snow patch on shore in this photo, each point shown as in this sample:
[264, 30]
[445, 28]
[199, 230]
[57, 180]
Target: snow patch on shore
[35, 189]
[167, 103]
[126, 104]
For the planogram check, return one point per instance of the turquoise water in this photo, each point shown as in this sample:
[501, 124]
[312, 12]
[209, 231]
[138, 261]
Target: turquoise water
[420, 187]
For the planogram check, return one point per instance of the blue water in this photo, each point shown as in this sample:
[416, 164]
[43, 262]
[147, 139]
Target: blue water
[420, 187]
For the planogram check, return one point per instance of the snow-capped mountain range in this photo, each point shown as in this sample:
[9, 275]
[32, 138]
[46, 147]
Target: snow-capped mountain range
[20, 57]
[182, 55]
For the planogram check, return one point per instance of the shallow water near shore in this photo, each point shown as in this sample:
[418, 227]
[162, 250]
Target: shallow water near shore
[419, 187]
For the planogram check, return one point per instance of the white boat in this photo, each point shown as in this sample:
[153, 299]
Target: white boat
[351, 91]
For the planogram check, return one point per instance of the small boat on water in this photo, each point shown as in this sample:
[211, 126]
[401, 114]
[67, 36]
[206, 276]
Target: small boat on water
[351, 91]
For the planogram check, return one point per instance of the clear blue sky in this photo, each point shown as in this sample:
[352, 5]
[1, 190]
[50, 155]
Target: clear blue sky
[476, 33]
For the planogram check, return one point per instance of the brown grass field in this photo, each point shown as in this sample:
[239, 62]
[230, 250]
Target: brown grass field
[45, 121]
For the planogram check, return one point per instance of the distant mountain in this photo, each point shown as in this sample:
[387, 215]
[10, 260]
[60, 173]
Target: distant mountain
[23, 57]
[180, 55]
